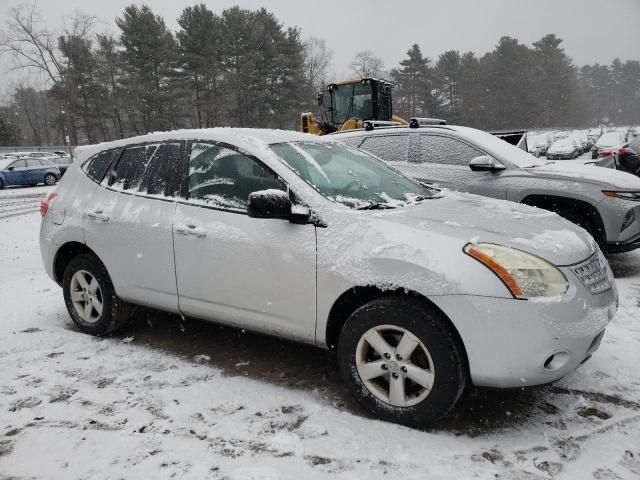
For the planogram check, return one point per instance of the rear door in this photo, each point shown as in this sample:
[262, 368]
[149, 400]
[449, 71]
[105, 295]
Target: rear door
[128, 222]
[249, 272]
[34, 173]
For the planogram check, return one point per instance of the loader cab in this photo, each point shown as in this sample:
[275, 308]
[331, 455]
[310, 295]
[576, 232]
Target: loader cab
[363, 99]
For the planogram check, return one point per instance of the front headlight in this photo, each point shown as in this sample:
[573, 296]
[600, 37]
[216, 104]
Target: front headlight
[624, 195]
[525, 275]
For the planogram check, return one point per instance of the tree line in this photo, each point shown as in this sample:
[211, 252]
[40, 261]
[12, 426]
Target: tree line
[245, 68]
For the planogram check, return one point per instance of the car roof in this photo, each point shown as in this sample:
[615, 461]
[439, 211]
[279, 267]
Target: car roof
[363, 132]
[253, 139]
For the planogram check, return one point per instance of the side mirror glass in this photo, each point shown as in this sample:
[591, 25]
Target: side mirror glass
[485, 163]
[269, 204]
[320, 99]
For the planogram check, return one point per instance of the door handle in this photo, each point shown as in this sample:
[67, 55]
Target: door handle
[98, 215]
[191, 230]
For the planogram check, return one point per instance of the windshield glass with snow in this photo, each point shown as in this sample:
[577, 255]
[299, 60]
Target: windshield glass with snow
[349, 176]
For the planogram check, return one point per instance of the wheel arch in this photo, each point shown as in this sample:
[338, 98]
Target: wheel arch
[556, 204]
[65, 254]
[352, 299]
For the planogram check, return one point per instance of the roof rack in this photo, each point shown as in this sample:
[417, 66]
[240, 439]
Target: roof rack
[416, 122]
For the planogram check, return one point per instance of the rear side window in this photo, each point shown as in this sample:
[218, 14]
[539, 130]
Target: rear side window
[34, 163]
[392, 148]
[96, 167]
[446, 150]
[162, 175]
[152, 169]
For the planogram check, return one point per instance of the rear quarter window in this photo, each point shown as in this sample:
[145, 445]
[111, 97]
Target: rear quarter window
[96, 167]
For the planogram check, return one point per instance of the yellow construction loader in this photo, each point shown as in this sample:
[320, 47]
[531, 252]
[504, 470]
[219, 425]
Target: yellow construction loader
[352, 104]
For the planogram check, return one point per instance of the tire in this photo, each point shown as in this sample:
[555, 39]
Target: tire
[113, 312]
[1, 184]
[50, 179]
[438, 359]
[577, 217]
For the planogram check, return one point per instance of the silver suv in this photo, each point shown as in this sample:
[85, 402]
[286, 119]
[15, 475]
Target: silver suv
[282, 233]
[604, 202]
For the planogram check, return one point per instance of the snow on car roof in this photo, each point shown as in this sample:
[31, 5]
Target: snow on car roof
[253, 139]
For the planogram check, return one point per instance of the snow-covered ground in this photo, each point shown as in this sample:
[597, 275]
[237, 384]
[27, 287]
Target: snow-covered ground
[193, 400]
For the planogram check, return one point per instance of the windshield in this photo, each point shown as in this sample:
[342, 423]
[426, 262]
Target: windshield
[351, 101]
[349, 176]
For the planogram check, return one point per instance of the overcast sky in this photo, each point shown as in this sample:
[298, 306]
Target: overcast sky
[593, 30]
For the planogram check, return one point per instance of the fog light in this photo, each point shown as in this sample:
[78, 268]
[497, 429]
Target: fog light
[556, 361]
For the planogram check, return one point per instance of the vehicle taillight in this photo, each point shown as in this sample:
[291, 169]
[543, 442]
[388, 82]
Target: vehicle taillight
[624, 150]
[46, 203]
[605, 153]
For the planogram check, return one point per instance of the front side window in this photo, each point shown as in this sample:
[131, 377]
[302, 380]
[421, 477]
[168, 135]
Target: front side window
[18, 164]
[349, 176]
[391, 148]
[223, 178]
[446, 150]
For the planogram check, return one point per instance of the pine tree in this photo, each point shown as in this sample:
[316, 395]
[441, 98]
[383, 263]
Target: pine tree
[151, 57]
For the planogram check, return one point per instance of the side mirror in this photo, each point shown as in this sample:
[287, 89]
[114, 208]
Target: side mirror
[485, 163]
[10, 168]
[320, 99]
[269, 204]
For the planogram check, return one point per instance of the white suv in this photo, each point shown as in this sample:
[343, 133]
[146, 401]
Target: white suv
[282, 233]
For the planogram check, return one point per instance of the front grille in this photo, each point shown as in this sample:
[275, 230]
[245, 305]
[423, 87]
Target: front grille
[593, 275]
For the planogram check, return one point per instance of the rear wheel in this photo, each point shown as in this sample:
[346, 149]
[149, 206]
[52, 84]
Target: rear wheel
[90, 297]
[402, 360]
[50, 179]
[1, 184]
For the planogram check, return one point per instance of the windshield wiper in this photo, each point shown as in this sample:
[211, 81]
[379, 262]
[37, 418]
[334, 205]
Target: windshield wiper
[375, 206]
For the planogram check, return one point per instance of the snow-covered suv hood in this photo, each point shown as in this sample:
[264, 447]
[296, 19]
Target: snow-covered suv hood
[605, 177]
[479, 219]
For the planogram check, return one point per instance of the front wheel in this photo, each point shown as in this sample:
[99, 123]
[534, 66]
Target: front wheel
[402, 360]
[90, 297]
[50, 179]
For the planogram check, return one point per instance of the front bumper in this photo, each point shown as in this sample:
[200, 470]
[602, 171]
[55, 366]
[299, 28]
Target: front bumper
[613, 212]
[515, 343]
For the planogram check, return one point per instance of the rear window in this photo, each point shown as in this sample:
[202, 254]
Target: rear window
[96, 167]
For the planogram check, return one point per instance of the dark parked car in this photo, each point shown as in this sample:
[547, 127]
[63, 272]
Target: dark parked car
[627, 157]
[28, 171]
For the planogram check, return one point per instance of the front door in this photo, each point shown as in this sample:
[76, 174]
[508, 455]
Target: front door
[16, 172]
[444, 160]
[248, 272]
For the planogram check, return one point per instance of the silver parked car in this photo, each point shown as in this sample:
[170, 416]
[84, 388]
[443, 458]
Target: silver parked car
[282, 233]
[603, 201]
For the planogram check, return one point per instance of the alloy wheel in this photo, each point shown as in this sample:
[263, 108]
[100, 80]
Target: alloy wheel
[394, 365]
[86, 296]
